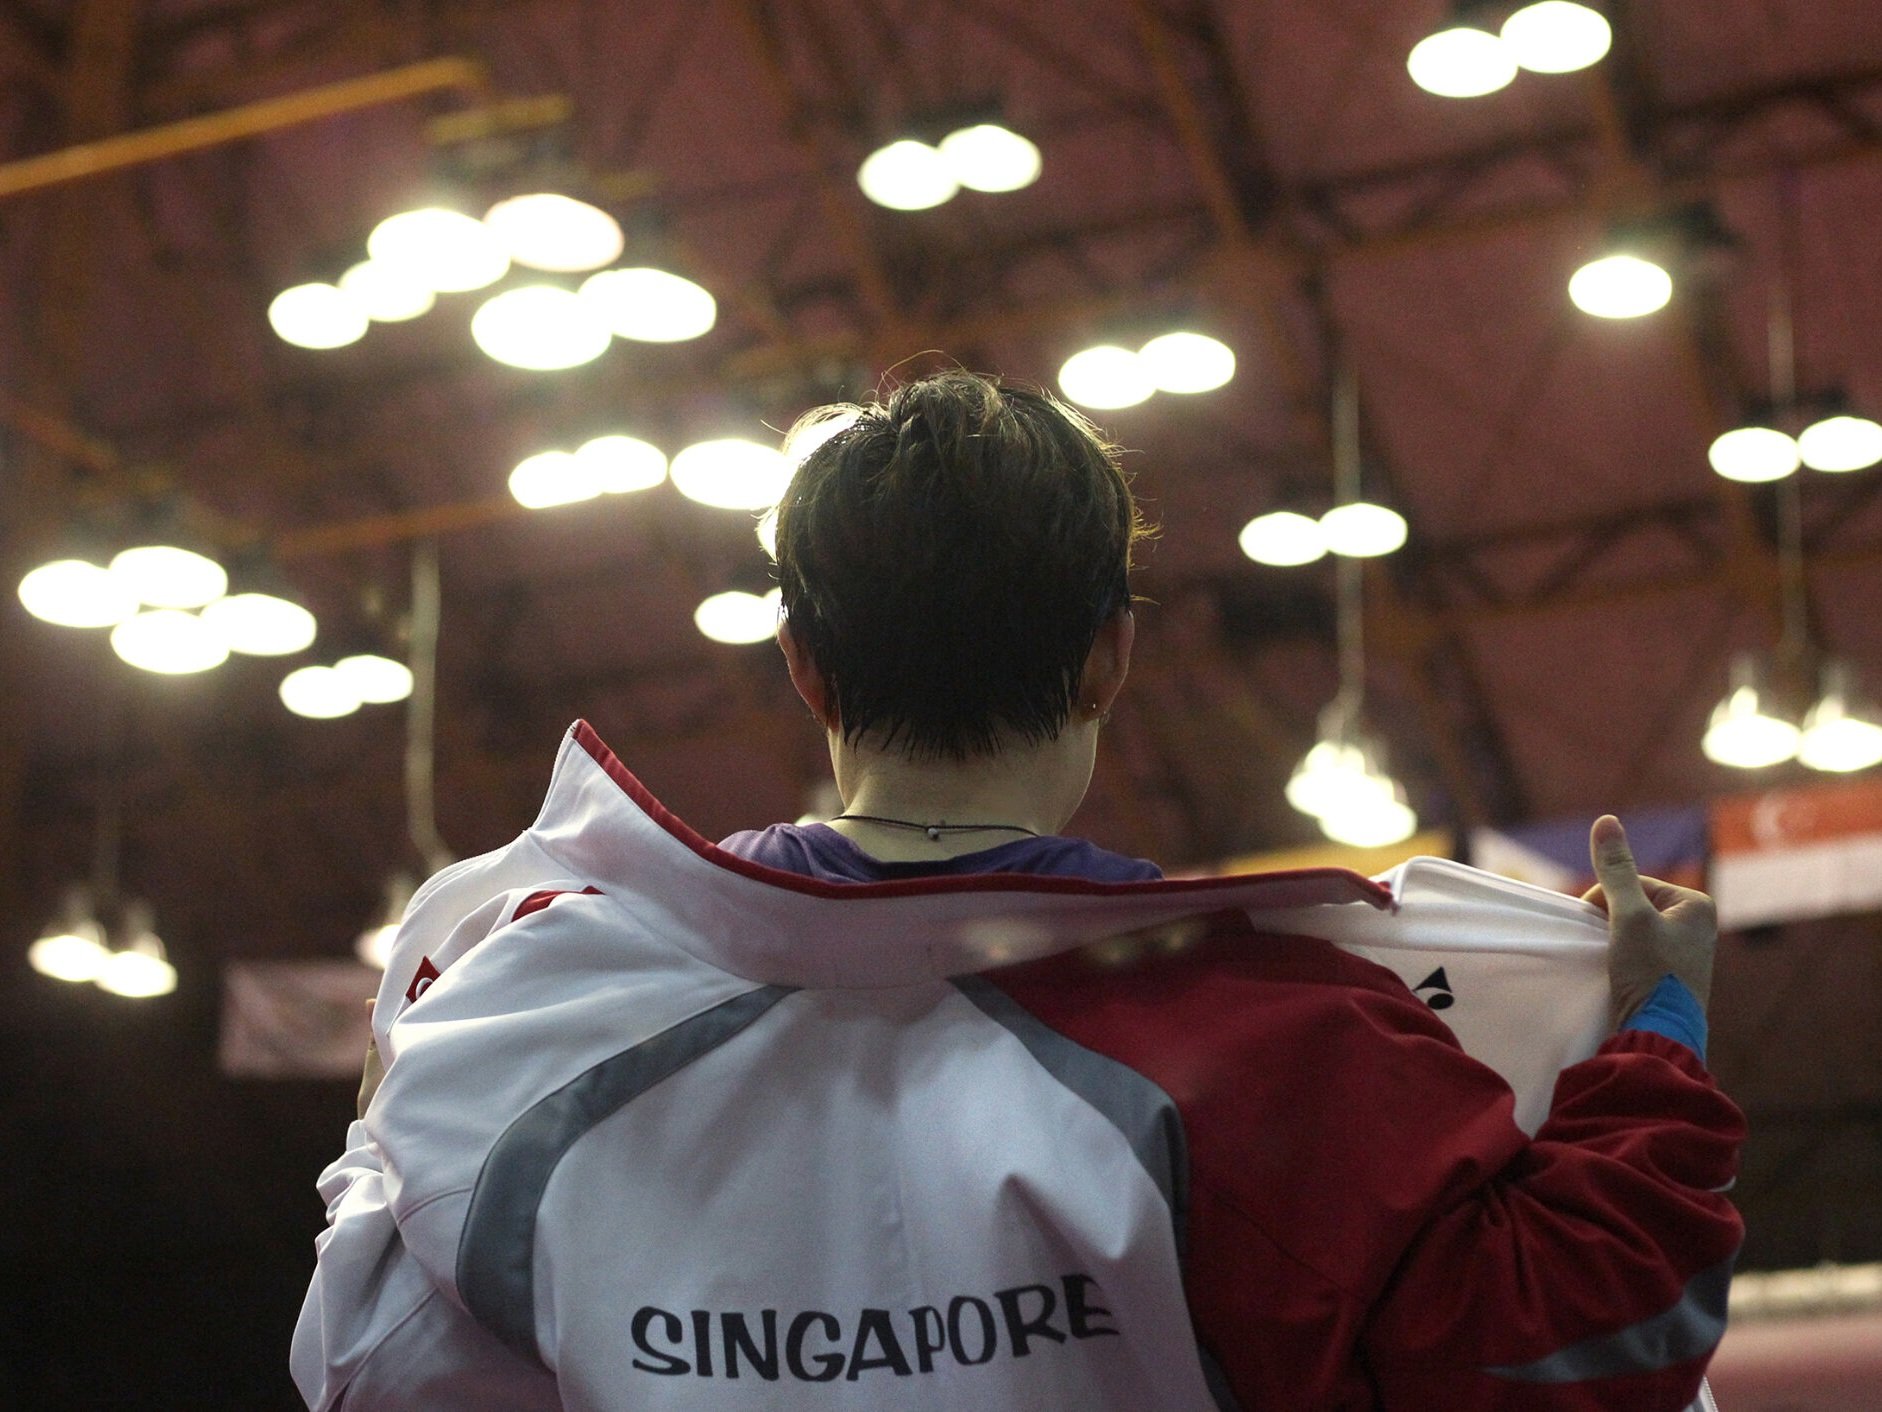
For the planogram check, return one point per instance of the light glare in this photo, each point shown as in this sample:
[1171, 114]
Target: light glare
[651, 306]
[319, 693]
[74, 594]
[1461, 63]
[68, 956]
[164, 576]
[447, 251]
[260, 624]
[554, 478]
[737, 617]
[137, 974]
[386, 294]
[1557, 37]
[1376, 823]
[1106, 377]
[541, 328]
[1741, 735]
[1753, 455]
[732, 473]
[317, 316]
[988, 157]
[1620, 287]
[1840, 443]
[548, 231]
[907, 176]
[619, 464]
[169, 642]
[1363, 530]
[1187, 362]
[373, 678]
[1283, 539]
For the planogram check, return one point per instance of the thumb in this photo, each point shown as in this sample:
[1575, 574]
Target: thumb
[1615, 868]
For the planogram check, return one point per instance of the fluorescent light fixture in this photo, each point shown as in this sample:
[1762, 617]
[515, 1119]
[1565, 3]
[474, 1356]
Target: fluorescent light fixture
[1620, 286]
[169, 642]
[989, 157]
[1187, 362]
[447, 251]
[260, 624]
[548, 231]
[540, 327]
[907, 176]
[1363, 530]
[75, 594]
[387, 294]
[1283, 539]
[651, 306]
[1461, 62]
[164, 576]
[319, 693]
[375, 679]
[317, 316]
[731, 473]
[739, 618]
[1753, 455]
[1557, 37]
[1106, 377]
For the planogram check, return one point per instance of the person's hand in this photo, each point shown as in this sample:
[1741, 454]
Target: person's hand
[374, 1070]
[1657, 928]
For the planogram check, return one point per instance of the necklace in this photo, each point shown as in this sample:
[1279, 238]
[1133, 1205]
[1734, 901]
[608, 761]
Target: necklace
[936, 829]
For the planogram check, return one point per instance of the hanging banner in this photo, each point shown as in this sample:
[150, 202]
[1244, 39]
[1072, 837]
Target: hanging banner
[1669, 843]
[295, 1019]
[1790, 854]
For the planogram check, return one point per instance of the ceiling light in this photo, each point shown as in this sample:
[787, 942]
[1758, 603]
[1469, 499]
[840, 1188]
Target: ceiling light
[71, 948]
[1362, 530]
[988, 157]
[1283, 539]
[540, 327]
[651, 306]
[139, 969]
[618, 464]
[737, 617]
[1744, 731]
[261, 624]
[1557, 37]
[317, 316]
[548, 231]
[1373, 823]
[386, 294]
[167, 577]
[319, 693]
[1620, 287]
[1334, 775]
[1187, 362]
[554, 478]
[768, 533]
[75, 594]
[1840, 443]
[1461, 62]
[447, 251]
[1753, 455]
[169, 642]
[374, 678]
[907, 176]
[1841, 733]
[1106, 377]
[732, 474]
[373, 946]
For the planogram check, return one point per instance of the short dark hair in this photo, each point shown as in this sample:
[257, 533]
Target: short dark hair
[948, 557]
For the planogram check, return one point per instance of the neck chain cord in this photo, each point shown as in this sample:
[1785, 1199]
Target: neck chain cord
[935, 830]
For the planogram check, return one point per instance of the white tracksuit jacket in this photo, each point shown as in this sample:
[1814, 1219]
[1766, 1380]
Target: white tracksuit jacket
[662, 1128]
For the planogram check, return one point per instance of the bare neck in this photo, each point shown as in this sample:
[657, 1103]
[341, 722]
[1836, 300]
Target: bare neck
[1026, 789]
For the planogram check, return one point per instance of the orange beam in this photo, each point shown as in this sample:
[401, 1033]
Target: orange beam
[131, 149]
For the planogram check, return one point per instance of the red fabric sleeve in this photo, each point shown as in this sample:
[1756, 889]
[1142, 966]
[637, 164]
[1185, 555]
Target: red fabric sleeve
[1368, 1228]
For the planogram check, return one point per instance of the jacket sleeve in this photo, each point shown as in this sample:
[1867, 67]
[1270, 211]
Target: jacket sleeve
[1366, 1226]
[1589, 1269]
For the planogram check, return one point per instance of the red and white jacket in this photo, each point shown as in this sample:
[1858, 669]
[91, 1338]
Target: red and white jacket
[662, 1128]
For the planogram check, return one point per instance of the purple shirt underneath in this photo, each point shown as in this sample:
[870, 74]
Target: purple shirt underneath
[819, 851]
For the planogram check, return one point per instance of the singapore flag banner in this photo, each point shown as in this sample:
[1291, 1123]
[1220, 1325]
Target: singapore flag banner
[1792, 854]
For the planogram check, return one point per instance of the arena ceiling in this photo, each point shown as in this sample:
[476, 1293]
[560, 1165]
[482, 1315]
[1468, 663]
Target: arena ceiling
[1549, 642]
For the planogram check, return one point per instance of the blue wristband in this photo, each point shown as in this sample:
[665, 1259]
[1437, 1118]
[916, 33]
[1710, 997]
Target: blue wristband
[1674, 1011]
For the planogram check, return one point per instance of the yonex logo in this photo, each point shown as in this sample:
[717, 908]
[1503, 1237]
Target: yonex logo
[1442, 997]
